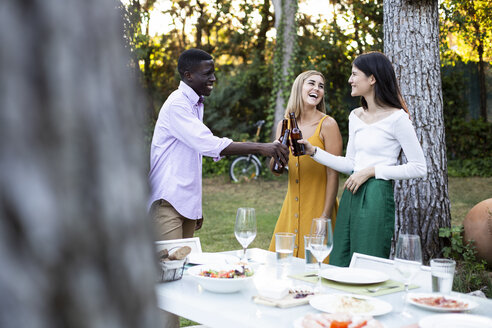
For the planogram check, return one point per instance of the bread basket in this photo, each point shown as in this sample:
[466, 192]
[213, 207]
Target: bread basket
[171, 270]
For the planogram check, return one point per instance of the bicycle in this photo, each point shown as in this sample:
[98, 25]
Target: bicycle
[247, 167]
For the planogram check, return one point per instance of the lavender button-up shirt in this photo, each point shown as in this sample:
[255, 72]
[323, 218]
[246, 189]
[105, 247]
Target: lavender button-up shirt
[179, 142]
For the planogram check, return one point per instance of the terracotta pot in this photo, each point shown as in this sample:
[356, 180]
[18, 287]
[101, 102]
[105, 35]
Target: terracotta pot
[478, 227]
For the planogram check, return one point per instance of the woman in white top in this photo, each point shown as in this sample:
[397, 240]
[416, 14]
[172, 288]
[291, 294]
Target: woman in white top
[378, 131]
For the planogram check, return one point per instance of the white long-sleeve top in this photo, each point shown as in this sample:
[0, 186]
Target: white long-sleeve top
[379, 144]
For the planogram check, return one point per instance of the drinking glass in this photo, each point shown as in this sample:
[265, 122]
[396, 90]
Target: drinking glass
[321, 242]
[284, 247]
[309, 258]
[408, 261]
[442, 272]
[245, 227]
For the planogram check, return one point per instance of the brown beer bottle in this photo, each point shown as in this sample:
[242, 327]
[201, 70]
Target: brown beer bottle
[295, 135]
[284, 139]
[285, 126]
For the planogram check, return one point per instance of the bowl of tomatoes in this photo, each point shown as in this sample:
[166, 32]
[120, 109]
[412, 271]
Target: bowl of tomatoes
[222, 278]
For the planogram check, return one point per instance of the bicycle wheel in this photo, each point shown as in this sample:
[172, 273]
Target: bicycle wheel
[244, 169]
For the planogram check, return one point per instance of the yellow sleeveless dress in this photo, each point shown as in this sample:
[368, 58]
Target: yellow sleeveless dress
[305, 197]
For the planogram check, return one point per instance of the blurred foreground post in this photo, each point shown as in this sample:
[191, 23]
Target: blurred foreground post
[75, 244]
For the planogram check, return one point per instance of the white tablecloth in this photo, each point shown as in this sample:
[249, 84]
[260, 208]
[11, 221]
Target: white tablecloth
[187, 298]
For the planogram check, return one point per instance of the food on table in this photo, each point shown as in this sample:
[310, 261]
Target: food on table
[178, 254]
[349, 304]
[163, 254]
[440, 302]
[228, 274]
[339, 320]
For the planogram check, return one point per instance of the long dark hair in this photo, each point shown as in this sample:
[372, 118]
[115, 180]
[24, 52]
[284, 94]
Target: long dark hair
[386, 90]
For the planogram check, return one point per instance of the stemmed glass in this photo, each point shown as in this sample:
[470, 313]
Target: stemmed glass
[321, 242]
[245, 227]
[408, 261]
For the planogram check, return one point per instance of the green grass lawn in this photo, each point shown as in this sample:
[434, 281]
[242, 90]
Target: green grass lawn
[221, 199]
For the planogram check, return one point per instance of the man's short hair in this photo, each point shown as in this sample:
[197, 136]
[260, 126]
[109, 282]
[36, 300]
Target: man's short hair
[190, 58]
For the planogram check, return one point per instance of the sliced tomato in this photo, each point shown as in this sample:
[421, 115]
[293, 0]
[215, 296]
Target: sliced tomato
[340, 324]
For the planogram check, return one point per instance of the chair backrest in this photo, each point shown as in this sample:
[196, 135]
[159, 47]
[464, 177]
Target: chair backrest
[364, 261]
[370, 262]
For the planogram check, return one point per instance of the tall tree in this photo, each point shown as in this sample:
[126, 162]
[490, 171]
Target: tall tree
[411, 41]
[76, 249]
[470, 23]
[265, 25]
[285, 51]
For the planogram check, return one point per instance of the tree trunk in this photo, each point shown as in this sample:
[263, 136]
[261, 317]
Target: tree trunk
[483, 86]
[199, 25]
[285, 25]
[264, 27]
[411, 42]
[76, 246]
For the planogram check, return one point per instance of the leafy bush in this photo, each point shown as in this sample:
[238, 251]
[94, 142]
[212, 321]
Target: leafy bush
[481, 167]
[470, 273]
[239, 100]
[468, 142]
[213, 168]
[468, 139]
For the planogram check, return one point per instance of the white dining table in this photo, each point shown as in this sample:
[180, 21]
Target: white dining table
[186, 298]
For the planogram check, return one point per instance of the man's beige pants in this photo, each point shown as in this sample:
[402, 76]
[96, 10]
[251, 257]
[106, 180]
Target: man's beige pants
[169, 224]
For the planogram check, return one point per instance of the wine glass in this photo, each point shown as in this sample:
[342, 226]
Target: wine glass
[408, 261]
[321, 242]
[245, 227]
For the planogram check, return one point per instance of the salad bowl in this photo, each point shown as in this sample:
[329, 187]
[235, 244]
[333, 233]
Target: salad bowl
[221, 278]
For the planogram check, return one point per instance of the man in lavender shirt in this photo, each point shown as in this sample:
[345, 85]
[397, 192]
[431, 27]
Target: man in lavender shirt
[179, 142]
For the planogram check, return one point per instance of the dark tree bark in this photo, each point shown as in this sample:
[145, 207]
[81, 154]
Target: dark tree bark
[265, 25]
[477, 32]
[76, 246]
[482, 82]
[411, 41]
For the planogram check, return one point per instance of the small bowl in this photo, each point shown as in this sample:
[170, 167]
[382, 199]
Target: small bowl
[219, 285]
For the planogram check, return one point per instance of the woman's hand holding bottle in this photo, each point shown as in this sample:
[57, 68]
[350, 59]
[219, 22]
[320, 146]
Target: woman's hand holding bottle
[309, 149]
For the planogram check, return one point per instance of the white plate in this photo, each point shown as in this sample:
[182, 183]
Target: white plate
[212, 258]
[468, 304]
[455, 320]
[354, 276]
[373, 322]
[331, 303]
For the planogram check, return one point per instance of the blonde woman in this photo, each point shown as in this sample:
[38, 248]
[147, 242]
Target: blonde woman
[312, 187]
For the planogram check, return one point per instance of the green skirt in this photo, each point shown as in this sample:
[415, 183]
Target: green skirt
[365, 222]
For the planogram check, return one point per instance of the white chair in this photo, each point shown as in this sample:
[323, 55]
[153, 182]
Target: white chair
[423, 278]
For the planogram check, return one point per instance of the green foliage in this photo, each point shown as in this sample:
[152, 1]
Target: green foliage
[455, 248]
[468, 22]
[468, 142]
[212, 168]
[470, 273]
[478, 167]
[469, 139]
[238, 101]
